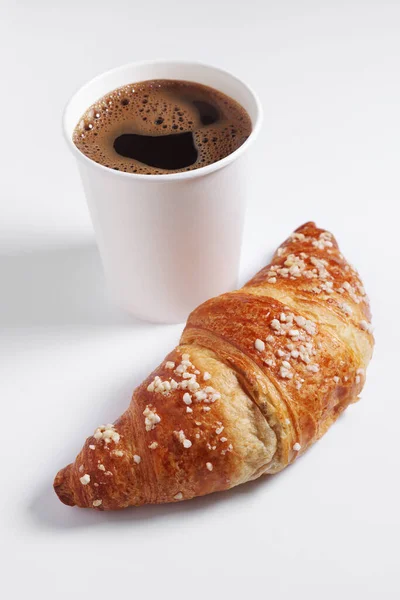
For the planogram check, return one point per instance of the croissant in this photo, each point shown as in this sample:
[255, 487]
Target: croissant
[259, 375]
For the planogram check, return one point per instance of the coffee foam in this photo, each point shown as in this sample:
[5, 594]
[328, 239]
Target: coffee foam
[160, 107]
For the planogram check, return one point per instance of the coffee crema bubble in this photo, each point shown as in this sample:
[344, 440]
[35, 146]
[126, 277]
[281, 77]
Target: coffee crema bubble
[162, 126]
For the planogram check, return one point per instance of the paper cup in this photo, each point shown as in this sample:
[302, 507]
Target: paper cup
[167, 242]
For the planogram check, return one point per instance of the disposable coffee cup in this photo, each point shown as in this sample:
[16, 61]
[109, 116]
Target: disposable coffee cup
[167, 242]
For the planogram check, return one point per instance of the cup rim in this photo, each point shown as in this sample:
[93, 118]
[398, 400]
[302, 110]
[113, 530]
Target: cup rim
[156, 178]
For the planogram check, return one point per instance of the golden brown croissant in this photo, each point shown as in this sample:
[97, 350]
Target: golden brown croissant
[260, 374]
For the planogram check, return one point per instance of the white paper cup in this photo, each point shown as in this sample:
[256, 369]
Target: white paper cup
[167, 242]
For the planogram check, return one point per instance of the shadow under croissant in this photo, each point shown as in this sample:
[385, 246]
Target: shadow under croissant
[48, 512]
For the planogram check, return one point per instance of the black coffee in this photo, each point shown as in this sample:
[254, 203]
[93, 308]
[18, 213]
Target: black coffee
[162, 126]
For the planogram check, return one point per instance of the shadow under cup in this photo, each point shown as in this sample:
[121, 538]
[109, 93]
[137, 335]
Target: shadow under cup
[167, 242]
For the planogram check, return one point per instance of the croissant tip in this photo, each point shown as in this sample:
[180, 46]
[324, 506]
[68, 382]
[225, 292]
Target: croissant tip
[62, 488]
[308, 225]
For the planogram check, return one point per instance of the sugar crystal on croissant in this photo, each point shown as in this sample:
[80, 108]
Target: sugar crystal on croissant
[285, 354]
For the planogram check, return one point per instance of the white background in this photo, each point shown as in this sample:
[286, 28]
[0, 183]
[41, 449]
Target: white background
[329, 526]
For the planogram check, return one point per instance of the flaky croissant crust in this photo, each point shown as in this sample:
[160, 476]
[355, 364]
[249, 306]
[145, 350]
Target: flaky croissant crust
[259, 375]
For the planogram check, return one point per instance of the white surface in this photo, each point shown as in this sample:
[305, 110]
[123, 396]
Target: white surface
[162, 237]
[328, 527]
